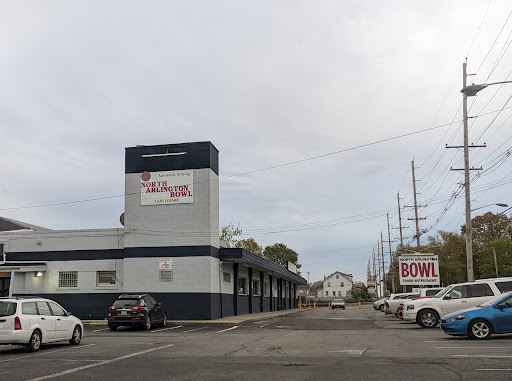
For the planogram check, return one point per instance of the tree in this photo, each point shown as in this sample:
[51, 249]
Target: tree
[451, 250]
[229, 232]
[485, 260]
[279, 253]
[251, 245]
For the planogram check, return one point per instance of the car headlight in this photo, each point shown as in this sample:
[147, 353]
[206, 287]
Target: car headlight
[458, 317]
[410, 307]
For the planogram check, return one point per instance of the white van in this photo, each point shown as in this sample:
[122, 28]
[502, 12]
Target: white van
[427, 312]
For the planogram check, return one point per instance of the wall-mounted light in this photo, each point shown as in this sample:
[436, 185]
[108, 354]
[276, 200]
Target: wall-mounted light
[39, 273]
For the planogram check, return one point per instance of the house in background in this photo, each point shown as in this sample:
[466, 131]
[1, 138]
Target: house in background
[337, 284]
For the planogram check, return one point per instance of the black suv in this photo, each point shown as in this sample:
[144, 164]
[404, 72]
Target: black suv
[140, 310]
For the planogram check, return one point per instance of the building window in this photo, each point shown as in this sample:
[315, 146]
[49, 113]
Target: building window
[339, 293]
[337, 276]
[266, 289]
[106, 278]
[256, 287]
[68, 279]
[227, 277]
[242, 286]
[342, 284]
[326, 293]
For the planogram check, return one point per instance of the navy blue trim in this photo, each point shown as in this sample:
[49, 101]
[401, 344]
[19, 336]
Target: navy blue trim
[198, 155]
[261, 263]
[131, 252]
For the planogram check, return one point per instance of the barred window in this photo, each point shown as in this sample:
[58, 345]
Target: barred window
[227, 277]
[68, 279]
[256, 287]
[106, 278]
[266, 289]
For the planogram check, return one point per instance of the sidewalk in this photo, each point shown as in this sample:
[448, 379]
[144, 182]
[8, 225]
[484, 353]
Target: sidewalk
[225, 321]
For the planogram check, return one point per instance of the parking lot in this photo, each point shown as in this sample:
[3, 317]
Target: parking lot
[356, 343]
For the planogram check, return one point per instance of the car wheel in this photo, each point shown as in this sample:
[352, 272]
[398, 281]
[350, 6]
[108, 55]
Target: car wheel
[147, 322]
[428, 319]
[35, 341]
[77, 336]
[164, 321]
[381, 308]
[479, 330]
[113, 327]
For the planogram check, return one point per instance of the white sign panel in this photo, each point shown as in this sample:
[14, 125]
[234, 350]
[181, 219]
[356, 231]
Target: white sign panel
[292, 267]
[165, 264]
[169, 187]
[419, 269]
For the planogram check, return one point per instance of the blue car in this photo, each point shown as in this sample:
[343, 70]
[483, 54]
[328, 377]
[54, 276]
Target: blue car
[493, 316]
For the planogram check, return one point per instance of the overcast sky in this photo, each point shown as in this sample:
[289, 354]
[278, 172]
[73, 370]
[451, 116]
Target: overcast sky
[346, 84]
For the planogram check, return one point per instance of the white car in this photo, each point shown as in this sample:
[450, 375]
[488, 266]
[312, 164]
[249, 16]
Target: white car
[32, 321]
[392, 304]
[337, 303]
[427, 312]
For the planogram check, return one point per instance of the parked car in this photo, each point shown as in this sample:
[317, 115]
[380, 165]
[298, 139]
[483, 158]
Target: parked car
[425, 293]
[493, 316]
[33, 321]
[379, 304]
[392, 304]
[427, 312]
[140, 310]
[337, 303]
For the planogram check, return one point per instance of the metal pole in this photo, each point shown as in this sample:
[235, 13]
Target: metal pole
[391, 260]
[416, 210]
[400, 223]
[383, 267]
[469, 230]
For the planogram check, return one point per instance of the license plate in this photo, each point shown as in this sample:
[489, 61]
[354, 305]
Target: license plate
[124, 312]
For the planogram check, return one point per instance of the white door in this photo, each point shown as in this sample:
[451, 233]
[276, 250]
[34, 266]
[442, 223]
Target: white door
[47, 321]
[63, 323]
[456, 299]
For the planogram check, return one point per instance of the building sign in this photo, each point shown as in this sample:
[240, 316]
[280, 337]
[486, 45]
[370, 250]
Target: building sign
[168, 187]
[292, 267]
[419, 269]
[165, 264]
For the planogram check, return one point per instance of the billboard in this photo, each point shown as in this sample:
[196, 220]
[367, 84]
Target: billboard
[167, 187]
[419, 269]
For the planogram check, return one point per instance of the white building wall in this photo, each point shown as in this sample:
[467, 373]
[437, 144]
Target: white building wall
[191, 224]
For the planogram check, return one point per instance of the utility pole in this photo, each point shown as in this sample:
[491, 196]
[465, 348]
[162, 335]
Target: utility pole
[379, 267]
[400, 223]
[383, 267]
[418, 247]
[391, 260]
[466, 169]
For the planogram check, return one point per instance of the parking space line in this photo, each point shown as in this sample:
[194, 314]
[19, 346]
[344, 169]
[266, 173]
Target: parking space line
[106, 362]
[507, 370]
[485, 356]
[166, 329]
[103, 329]
[195, 329]
[470, 347]
[228, 329]
[68, 348]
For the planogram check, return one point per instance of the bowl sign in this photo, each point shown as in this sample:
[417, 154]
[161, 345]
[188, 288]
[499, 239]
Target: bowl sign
[419, 269]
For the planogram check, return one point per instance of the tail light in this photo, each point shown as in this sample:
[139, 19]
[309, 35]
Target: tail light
[387, 305]
[111, 308]
[139, 308]
[17, 323]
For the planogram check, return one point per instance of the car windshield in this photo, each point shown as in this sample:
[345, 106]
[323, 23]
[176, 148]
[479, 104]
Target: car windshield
[442, 292]
[494, 300]
[127, 302]
[337, 301]
[7, 308]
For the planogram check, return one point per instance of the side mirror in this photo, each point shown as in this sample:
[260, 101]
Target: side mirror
[447, 296]
[502, 306]
[159, 304]
[69, 313]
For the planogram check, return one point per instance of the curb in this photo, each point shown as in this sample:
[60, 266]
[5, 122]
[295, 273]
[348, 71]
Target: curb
[226, 321]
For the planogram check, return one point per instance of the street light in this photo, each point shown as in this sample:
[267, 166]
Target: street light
[469, 91]
[499, 204]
